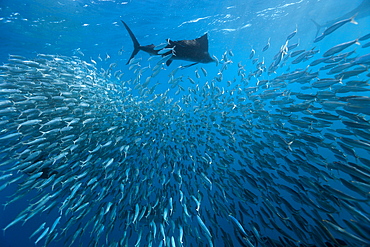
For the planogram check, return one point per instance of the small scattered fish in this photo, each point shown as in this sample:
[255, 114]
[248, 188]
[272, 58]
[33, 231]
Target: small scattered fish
[160, 46]
[338, 24]
[292, 34]
[340, 47]
[251, 54]
[265, 48]
[166, 50]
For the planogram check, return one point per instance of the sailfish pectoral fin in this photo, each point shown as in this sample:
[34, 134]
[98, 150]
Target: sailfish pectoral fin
[137, 46]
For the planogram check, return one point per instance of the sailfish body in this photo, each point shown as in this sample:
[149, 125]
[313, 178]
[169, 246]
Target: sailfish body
[195, 50]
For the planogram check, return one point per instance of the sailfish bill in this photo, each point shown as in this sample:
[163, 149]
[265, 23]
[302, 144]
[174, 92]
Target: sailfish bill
[195, 50]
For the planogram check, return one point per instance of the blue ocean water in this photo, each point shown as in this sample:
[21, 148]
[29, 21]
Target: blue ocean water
[231, 149]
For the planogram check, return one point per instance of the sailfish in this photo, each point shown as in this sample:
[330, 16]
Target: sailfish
[195, 50]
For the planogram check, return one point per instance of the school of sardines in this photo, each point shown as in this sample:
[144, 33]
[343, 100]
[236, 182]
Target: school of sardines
[217, 164]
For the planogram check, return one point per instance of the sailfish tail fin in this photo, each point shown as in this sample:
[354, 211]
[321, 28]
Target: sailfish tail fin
[134, 40]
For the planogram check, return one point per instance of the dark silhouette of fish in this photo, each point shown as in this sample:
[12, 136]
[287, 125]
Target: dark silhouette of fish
[46, 172]
[361, 11]
[195, 50]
